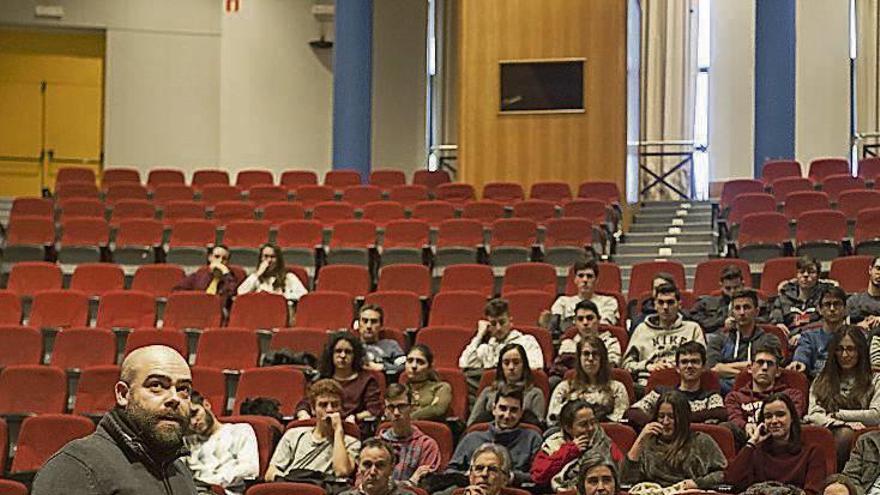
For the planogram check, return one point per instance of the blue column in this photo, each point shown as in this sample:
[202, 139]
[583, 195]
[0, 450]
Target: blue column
[774, 80]
[352, 85]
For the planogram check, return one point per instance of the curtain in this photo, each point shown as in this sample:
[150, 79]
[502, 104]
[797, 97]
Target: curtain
[867, 66]
[669, 70]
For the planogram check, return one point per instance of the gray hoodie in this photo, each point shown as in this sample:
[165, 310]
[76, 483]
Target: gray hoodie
[651, 343]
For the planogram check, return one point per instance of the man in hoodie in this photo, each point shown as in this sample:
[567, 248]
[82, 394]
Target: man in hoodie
[417, 453]
[798, 300]
[655, 340]
[506, 430]
[732, 351]
[713, 312]
[639, 311]
[812, 347]
[137, 446]
[380, 354]
[744, 404]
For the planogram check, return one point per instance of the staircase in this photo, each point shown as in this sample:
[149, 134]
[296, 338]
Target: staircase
[673, 230]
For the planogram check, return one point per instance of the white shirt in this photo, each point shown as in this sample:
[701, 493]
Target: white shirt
[484, 355]
[293, 287]
[226, 458]
[609, 313]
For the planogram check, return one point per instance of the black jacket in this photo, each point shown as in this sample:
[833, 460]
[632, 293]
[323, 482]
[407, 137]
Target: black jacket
[788, 307]
[113, 460]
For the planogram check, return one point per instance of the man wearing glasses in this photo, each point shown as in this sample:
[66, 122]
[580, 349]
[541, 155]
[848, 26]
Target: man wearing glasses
[812, 346]
[489, 470]
[561, 314]
[798, 299]
[586, 323]
[374, 469]
[417, 453]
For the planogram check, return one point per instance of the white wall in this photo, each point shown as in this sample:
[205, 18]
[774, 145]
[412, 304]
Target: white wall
[732, 90]
[822, 90]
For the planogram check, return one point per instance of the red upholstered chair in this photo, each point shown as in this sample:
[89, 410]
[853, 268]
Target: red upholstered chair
[18, 382]
[43, 435]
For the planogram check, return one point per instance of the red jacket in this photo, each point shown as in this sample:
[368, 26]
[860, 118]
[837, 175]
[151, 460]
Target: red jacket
[743, 404]
[545, 466]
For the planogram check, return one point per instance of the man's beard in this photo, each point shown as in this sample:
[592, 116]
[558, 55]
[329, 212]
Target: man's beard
[163, 440]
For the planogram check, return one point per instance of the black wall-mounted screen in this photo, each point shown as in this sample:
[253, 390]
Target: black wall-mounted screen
[542, 86]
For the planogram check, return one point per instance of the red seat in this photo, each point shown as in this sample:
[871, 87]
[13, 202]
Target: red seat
[32, 207]
[262, 310]
[126, 191]
[82, 347]
[230, 210]
[158, 279]
[20, 345]
[162, 176]
[527, 305]
[433, 212]
[801, 201]
[192, 309]
[447, 343]
[821, 437]
[59, 308]
[404, 241]
[383, 212]
[529, 276]
[351, 279]
[431, 179]
[266, 429]
[554, 191]
[455, 192]
[539, 210]
[468, 277]
[331, 212]
[833, 185]
[284, 383]
[788, 185]
[642, 276]
[340, 179]
[211, 383]
[263, 194]
[512, 240]
[120, 175]
[212, 194]
[606, 191]
[793, 379]
[206, 177]
[565, 240]
[594, 210]
[247, 179]
[821, 168]
[77, 189]
[820, 233]
[42, 436]
[538, 376]
[439, 432]
[246, 234]
[285, 488]
[277, 212]
[143, 337]
[299, 234]
[403, 309]
[9, 487]
[28, 237]
[361, 194]
[28, 277]
[867, 233]
[408, 277]
[775, 271]
[735, 187]
[18, 383]
[137, 240]
[94, 392]
[311, 194]
[869, 168]
[460, 308]
[409, 195]
[166, 193]
[310, 340]
[609, 280]
[622, 435]
[82, 239]
[292, 179]
[458, 241]
[96, 279]
[192, 233]
[351, 242]
[228, 348]
[750, 203]
[851, 272]
[10, 308]
[762, 236]
[177, 210]
[126, 309]
[852, 202]
[503, 192]
[327, 309]
[670, 378]
[707, 278]
[722, 436]
[387, 178]
[74, 174]
[776, 169]
[486, 211]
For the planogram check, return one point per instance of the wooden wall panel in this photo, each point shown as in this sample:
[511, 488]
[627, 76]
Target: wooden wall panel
[528, 148]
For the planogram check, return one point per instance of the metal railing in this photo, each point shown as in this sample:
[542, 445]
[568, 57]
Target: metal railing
[443, 156]
[869, 142]
[680, 149]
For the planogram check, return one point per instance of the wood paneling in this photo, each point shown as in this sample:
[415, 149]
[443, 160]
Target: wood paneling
[572, 147]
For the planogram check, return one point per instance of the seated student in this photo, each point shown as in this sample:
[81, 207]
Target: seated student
[712, 312]
[732, 351]
[798, 299]
[586, 322]
[655, 340]
[214, 278]
[343, 362]
[379, 354]
[845, 397]
[863, 466]
[579, 438]
[272, 276]
[562, 313]
[639, 310]
[222, 454]
[417, 453]
[706, 406]
[374, 469]
[325, 447]
[512, 369]
[490, 470]
[598, 476]
[667, 452]
[521, 443]
[863, 308]
[744, 403]
[430, 395]
[493, 333]
[591, 382]
[812, 343]
[776, 452]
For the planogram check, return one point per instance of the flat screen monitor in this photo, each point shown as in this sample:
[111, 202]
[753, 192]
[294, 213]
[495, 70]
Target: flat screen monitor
[552, 85]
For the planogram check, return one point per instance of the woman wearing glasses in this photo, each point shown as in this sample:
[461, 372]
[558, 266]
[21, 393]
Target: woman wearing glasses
[845, 397]
[586, 323]
[512, 369]
[591, 382]
[343, 362]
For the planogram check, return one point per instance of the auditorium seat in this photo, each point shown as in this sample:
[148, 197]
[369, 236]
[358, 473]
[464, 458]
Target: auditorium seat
[126, 309]
[10, 308]
[284, 383]
[622, 435]
[32, 207]
[41, 436]
[642, 276]
[408, 195]
[119, 175]
[126, 191]
[538, 376]
[94, 392]
[776, 169]
[176, 210]
[20, 345]
[512, 241]
[189, 241]
[126, 209]
[262, 310]
[485, 210]
[387, 178]
[82, 240]
[593, 210]
[165, 193]
[285, 488]
[852, 202]
[402, 309]
[212, 194]
[246, 179]
[867, 233]
[431, 179]
[821, 168]
[554, 191]
[529, 276]
[143, 337]
[707, 278]
[404, 241]
[310, 340]
[869, 168]
[165, 176]
[851, 272]
[298, 240]
[137, 242]
[211, 383]
[352, 242]
[734, 187]
[361, 194]
[802, 201]
[351, 279]
[407, 277]
[447, 343]
[74, 174]
[505, 193]
[80, 207]
[820, 234]
[206, 177]
[433, 212]
[27, 239]
[468, 277]
[383, 212]
[331, 212]
[266, 429]
[230, 210]
[340, 179]
[784, 186]
[775, 271]
[192, 309]
[606, 191]
[96, 279]
[78, 348]
[327, 309]
[311, 194]
[244, 238]
[292, 179]
[77, 189]
[526, 306]
[277, 212]
[18, 383]
[748, 203]
[833, 185]
[228, 348]
[459, 308]
[10, 487]
[263, 194]
[455, 192]
[538, 210]
[157, 279]
[763, 236]
[28, 277]
[566, 239]
[458, 241]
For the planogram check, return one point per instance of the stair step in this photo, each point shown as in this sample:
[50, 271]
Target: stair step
[648, 248]
[686, 259]
[667, 217]
[656, 227]
[658, 237]
[672, 210]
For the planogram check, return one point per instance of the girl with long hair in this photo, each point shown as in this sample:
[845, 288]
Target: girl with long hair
[512, 369]
[667, 452]
[591, 382]
[271, 275]
[343, 362]
[845, 396]
[775, 451]
[431, 396]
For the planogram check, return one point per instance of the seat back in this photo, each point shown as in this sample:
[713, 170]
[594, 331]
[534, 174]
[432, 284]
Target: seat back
[820, 225]
[733, 188]
[28, 277]
[409, 195]
[78, 348]
[409, 277]
[96, 279]
[750, 203]
[41, 436]
[503, 192]
[94, 393]
[433, 212]
[403, 310]
[263, 310]
[158, 279]
[851, 272]
[284, 383]
[330, 310]
[361, 194]
[518, 232]
[642, 276]
[406, 233]
[292, 179]
[169, 337]
[801, 201]
[775, 169]
[340, 179]
[431, 179]
[228, 348]
[126, 309]
[351, 279]
[455, 192]
[18, 383]
[529, 276]
[708, 275]
[556, 192]
[539, 210]
[59, 309]
[249, 178]
[787, 185]
[460, 308]
[763, 228]
[821, 168]
[470, 277]
[447, 343]
[387, 178]
[606, 191]
[20, 345]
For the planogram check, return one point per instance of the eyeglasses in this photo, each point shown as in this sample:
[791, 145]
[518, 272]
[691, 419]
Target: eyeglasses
[400, 407]
[491, 470]
[590, 354]
[849, 349]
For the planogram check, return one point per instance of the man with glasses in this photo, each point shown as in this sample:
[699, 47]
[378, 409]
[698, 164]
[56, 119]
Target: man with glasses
[732, 351]
[863, 308]
[379, 354]
[489, 471]
[707, 406]
[586, 323]
[561, 314]
[653, 343]
[798, 300]
[812, 346]
[417, 453]
[375, 466]
[744, 404]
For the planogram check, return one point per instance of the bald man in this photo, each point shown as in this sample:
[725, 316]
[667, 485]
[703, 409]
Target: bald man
[137, 446]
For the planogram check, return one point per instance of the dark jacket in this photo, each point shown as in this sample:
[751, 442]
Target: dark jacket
[794, 312]
[201, 278]
[711, 312]
[732, 347]
[113, 460]
[863, 466]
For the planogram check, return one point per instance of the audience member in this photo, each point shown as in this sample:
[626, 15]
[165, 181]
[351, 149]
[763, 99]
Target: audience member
[430, 396]
[776, 452]
[639, 310]
[586, 322]
[667, 452]
[591, 382]
[417, 453]
[562, 313]
[375, 466]
[839, 484]
[598, 476]
[512, 369]
[654, 341]
[272, 276]
[580, 437]
[798, 299]
[489, 471]
[215, 278]
[379, 354]
[863, 308]
[707, 406]
[221, 454]
[325, 447]
[863, 466]
[812, 343]
[712, 312]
